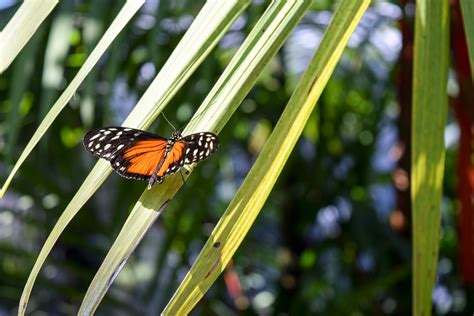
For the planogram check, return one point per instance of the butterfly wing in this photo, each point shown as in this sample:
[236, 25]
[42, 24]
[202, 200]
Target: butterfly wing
[132, 153]
[142, 155]
[187, 150]
[199, 146]
[170, 164]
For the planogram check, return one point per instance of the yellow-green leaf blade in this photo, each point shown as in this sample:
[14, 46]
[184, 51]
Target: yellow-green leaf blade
[21, 27]
[127, 12]
[251, 196]
[221, 15]
[94, 179]
[430, 99]
[243, 70]
[467, 10]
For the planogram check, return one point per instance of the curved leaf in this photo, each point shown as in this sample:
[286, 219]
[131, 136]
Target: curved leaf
[261, 45]
[209, 26]
[244, 208]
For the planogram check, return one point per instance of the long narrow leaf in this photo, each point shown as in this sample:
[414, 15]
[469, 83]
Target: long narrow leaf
[21, 27]
[242, 211]
[24, 69]
[261, 45]
[467, 10]
[209, 26]
[127, 12]
[430, 75]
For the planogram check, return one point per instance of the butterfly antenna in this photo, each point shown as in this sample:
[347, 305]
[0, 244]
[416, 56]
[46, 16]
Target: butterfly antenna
[163, 113]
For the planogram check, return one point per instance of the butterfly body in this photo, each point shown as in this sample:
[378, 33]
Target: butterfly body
[143, 155]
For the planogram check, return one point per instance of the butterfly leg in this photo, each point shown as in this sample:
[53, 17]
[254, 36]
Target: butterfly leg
[154, 179]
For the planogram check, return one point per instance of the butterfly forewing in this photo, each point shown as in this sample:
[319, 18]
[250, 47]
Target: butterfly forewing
[199, 146]
[108, 142]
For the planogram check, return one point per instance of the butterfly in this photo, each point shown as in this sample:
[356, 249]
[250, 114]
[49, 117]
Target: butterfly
[137, 154]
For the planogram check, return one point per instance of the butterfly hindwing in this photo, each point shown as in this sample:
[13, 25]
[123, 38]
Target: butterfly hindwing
[175, 159]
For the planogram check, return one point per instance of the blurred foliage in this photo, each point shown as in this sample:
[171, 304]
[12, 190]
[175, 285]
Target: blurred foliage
[324, 243]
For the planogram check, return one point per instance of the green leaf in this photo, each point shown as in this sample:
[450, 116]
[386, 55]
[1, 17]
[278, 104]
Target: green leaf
[430, 103]
[240, 75]
[17, 95]
[244, 208]
[207, 29]
[127, 12]
[467, 10]
[21, 28]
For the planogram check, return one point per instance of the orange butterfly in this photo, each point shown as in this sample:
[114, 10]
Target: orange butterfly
[138, 154]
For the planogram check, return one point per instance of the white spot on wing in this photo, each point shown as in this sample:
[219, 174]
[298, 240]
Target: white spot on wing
[97, 146]
[94, 137]
[107, 146]
[119, 147]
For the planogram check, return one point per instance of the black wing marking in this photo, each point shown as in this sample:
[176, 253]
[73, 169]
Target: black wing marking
[199, 146]
[109, 142]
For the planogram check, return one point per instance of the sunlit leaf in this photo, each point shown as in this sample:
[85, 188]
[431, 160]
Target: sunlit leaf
[247, 203]
[211, 23]
[21, 28]
[240, 75]
[430, 104]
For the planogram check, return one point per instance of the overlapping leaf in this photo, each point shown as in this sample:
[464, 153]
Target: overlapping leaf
[209, 26]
